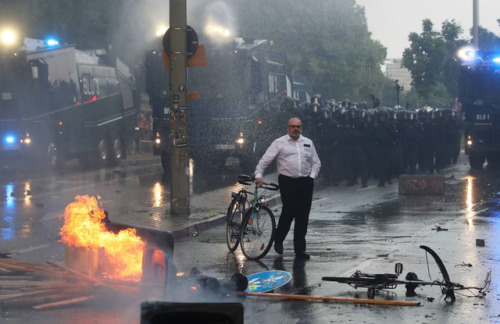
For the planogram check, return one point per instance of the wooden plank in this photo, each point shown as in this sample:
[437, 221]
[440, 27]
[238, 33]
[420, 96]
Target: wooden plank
[66, 302]
[25, 294]
[31, 283]
[92, 279]
[12, 277]
[333, 299]
[53, 295]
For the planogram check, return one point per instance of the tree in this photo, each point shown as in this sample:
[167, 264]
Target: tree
[488, 41]
[451, 32]
[425, 59]
[326, 41]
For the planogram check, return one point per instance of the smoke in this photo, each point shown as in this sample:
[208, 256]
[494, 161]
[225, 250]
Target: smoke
[218, 21]
[141, 24]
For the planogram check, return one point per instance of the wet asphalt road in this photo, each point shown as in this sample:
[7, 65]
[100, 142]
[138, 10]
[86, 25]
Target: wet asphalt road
[350, 229]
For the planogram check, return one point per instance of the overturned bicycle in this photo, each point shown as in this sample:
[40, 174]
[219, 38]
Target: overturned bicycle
[376, 282]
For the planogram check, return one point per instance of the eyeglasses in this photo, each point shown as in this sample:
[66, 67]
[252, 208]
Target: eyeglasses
[294, 126]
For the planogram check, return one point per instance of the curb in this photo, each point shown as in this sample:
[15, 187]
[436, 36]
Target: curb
[193, 230]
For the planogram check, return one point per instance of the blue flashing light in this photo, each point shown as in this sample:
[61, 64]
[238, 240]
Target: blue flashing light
[496, 60]
[51, 42]
[9, 139]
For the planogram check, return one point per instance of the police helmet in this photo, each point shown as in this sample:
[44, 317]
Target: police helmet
[326, 112]
[353, 112]
[369, 115]
[422, 114]
[382, 112]
[340, 113]
[316, 99]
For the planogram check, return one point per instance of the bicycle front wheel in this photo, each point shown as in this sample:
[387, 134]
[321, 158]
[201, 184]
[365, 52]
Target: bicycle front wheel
[234, 219]
[257, 232]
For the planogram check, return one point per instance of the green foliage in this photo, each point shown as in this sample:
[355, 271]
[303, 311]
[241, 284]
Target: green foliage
[433, 62]
[326, 41]
[425, 59]
[487, 40]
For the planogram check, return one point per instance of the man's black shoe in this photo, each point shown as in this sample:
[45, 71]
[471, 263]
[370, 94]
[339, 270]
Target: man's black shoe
[278, 247]
[302, 255]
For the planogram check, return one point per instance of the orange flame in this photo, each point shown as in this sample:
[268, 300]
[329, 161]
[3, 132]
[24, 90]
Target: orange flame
[83, 227]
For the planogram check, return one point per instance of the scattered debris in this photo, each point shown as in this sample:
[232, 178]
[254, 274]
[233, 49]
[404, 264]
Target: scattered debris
[466, 265]
[42, 286]
[439, 228]
[5, 255]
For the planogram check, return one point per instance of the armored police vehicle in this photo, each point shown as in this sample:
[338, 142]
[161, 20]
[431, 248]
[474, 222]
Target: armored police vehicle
[240, 92]
[479, 94]
[58, 103]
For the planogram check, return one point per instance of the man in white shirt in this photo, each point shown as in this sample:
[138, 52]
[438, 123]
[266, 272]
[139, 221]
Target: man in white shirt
[298, 166]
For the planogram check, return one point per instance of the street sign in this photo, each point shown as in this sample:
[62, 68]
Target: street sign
[192, 41]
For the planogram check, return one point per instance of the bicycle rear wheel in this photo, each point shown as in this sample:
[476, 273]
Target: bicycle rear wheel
[233, 224]
[257, 232]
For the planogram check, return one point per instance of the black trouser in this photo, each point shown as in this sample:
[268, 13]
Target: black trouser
[296, 196]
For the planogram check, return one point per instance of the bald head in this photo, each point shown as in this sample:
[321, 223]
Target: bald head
[294, 128]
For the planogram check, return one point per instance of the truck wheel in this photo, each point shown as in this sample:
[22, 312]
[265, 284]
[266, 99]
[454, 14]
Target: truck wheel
[476, 161]
[116, 152]
[117, 149]
[103, 149]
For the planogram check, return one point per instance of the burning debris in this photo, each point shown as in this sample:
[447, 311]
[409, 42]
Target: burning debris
[101, 258]
[115, 256]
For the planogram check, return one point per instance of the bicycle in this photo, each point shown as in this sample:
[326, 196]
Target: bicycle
[258, 225]
[377, 282]
[236, 211]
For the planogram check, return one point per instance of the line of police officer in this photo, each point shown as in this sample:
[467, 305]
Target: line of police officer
[355, 142]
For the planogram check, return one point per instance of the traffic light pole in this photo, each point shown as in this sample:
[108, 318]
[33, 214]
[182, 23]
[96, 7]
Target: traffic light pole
[179, 166]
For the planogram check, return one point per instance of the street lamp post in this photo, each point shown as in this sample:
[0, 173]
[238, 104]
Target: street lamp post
[398, 89]
[179, 195]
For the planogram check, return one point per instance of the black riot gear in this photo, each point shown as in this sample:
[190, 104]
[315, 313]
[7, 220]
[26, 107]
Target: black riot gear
[326, 113]
[316, 99]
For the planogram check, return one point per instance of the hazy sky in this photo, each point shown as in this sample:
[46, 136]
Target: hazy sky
[391, 21]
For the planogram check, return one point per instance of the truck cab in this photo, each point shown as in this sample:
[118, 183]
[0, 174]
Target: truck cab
[479, 94]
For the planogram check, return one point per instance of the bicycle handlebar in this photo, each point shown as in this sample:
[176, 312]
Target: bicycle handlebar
[245, 179]
[270, 186]
[248, 180]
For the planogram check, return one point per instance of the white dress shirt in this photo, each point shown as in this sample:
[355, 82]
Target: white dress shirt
[295, 158]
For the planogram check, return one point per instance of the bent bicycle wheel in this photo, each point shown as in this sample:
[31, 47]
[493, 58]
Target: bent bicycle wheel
[233, 224]
[257, 232]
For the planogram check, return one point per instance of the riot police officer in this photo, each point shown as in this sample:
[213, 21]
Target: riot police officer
[384, 137]
[356, 138]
